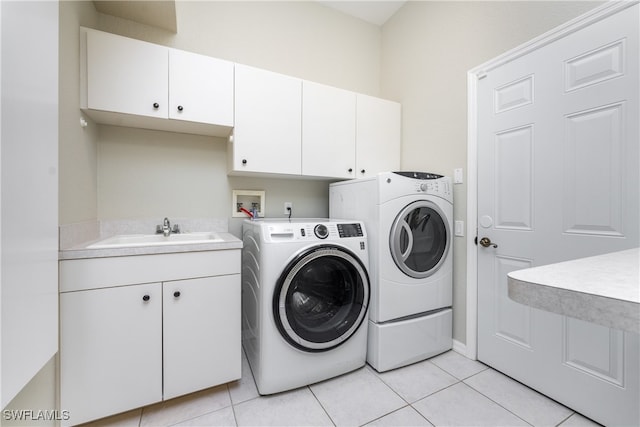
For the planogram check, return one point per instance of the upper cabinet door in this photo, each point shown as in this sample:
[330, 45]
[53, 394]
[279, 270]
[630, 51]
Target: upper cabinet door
[378, 136]
[127, 76]
[328, 131]
[200, 88]
[268, 122]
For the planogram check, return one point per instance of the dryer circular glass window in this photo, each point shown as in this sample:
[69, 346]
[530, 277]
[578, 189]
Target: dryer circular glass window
[321, 298]
[419, 239]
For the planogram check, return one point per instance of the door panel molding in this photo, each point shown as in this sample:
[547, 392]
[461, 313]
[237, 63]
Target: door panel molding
[596, 66]
[594, 203]
[607, 363]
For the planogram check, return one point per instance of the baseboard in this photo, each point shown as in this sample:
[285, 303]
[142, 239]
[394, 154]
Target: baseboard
[459, 347]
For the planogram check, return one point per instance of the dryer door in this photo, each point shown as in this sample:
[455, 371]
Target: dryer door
[321, 298]
[419, 239]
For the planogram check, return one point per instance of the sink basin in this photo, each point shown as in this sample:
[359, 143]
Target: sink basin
[133, 240]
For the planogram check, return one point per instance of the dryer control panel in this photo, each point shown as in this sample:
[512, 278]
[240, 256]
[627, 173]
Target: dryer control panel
[434, 187]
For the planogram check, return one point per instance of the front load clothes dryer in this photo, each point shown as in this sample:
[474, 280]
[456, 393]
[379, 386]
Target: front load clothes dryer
[409, 218]
[305, 299]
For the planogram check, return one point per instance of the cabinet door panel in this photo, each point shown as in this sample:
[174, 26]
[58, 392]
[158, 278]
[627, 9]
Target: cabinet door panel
[126, 75]
[328, 131]
[110, 350]
[378, 136]
[268, 122]
[202, 86]
[201, 325]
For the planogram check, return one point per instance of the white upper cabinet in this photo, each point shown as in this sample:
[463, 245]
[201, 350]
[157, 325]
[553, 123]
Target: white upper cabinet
[328, 131]
[126, 76]
[378, 136]
[267, 133]
[200, 88]
[281, 125]
[129, 82]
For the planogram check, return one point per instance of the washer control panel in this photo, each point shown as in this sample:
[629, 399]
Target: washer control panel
[315, 231]
[350, 230]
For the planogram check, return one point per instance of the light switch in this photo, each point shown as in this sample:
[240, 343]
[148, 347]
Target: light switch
[459, 228]
[457, 176]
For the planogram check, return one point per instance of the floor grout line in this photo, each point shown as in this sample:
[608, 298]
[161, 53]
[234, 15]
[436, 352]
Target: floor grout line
[453, 368]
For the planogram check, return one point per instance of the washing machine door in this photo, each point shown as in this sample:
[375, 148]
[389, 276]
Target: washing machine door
[419, 239]
[321, 298]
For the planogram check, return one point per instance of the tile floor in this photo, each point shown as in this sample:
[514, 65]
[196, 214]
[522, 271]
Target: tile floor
[447, 390]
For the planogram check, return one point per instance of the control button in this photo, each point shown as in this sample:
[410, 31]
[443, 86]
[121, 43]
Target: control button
[321, 231]
[302, 232]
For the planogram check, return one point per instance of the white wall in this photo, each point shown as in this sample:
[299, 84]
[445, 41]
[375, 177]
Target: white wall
[77, 146]
[427, 49]
[29, 263]
[115, 173]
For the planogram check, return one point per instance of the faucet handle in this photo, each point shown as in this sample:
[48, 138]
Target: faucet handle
[159, 229]
[176, 229]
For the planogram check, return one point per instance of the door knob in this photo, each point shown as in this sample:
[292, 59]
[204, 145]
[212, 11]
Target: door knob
[486, 242]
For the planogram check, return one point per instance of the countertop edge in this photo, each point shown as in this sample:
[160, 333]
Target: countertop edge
[82, 252]
[603, 310]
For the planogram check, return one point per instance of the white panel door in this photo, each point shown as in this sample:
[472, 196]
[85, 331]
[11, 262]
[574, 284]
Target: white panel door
[558, 179]
[110, 350]
[268, 122]
[201, 329]
[378, 136]
[328, 131]
[126, 75]
[200, 88]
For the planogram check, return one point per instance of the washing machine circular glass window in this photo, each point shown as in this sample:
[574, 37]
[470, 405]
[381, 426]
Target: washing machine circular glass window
[419, 239]
[321, 298]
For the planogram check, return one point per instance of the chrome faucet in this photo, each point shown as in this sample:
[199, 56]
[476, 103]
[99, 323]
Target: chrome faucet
[165, 228]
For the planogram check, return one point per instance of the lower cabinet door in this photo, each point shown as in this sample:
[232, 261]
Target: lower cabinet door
[110, 350]
[201, 327]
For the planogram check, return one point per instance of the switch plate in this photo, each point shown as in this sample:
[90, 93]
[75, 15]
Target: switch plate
[459, 228]
[457, 176]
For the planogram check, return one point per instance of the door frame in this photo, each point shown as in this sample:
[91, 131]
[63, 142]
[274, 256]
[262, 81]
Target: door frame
[470, 349]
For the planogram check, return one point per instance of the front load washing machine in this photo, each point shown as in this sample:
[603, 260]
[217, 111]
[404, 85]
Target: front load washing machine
[305, 296]
[409, 217]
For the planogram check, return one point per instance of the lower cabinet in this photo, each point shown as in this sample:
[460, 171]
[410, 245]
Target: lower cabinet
[110, 350]
[123, 347]
[201, 324]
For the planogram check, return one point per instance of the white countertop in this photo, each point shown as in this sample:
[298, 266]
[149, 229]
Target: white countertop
[76, 239]
[603, 289]
[81, 251]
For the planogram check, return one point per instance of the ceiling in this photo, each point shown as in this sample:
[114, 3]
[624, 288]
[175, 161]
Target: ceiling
[374, 11]
[157, 13]
[162, 13]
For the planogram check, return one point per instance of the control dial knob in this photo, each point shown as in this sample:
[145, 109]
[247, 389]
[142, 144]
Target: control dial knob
[424, 187]
[321, 231]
